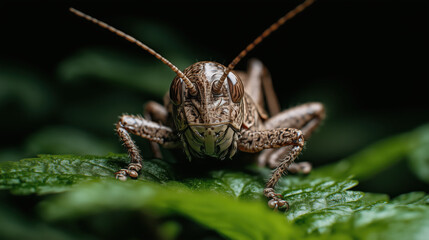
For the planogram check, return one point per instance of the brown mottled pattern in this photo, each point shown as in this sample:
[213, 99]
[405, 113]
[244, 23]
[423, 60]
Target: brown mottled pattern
[251, 119]
[147, 129]
[256, 141]
[282, 168]
[176, 90]
[207, 108]
[236, 88]
[133, 151]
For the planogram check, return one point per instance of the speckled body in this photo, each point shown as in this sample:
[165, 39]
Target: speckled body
[213, 111]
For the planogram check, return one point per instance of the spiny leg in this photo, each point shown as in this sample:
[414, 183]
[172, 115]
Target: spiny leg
[305, 117]
[143, 128]
[273, 158]
[136, 163]
[276, 156]
[255, 141]
[275, 200]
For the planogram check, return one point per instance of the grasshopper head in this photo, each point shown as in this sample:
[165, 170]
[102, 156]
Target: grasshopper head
[208, 121]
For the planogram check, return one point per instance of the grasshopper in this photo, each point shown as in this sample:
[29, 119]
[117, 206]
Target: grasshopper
[211, 111]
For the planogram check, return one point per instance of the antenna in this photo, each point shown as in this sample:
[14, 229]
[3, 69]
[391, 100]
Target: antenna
[189, 85]
[217, 85]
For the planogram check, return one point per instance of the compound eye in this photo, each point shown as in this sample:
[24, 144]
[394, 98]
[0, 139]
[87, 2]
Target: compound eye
[176, 91]
[236, 88]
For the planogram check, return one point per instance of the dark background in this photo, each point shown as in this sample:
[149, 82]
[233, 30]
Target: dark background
[367, 61]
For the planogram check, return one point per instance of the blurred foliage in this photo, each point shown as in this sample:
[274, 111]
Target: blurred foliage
[384, 153]
[419, 158]
[60, 139]
[149, 77]
[61, 196]
[26, 90]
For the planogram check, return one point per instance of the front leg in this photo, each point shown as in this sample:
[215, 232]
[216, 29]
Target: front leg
[152, 131]
[256, 141]
[306, 117]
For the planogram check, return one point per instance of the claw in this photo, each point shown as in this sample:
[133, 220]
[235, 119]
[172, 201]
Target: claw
[278, 204]
[123, 173]
[283, 205]
[273, 204]
[133, 174]
[121, 177]
[275, 201]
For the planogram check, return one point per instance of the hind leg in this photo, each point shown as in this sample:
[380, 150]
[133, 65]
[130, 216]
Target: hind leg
[259, 86]
[155, 112]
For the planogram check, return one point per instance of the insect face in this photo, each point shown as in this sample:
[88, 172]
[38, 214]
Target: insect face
[208, 122]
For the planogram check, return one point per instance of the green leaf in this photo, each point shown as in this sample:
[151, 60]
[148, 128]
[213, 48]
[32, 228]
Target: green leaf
[236, 184]
[317, 204]
[415, 198]
[229, 202]
[58, 173]
[49, 174]
[403, 218]
[232, 218]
